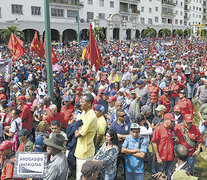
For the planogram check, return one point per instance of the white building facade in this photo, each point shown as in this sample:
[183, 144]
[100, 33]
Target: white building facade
[120, 19]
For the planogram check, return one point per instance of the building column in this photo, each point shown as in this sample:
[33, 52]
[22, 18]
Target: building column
[61, 38]
[109, 32]
[123, 31]
[41, 38]
[133, 32]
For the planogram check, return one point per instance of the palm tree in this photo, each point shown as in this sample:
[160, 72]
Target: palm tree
[5, 33]
[187, 32]
[164, 32]
[178, 32]
[149, 32]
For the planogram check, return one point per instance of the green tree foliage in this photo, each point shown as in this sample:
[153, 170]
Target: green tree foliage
[149, 32]
[178, 33]
[187, 32]
[164, 33]
[5, 33]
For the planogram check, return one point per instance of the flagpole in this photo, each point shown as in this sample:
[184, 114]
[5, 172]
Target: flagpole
[78, 25]
[48, 49]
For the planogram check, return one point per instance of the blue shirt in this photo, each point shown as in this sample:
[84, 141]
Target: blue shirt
[134, 164]
[120, 129]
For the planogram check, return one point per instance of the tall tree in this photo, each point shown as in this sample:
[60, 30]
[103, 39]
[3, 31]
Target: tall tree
[5, 33]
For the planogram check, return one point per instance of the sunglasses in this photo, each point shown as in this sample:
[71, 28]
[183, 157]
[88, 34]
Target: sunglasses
[123, 115]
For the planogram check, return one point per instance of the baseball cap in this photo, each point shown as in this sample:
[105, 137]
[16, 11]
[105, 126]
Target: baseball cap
[10, 104]
[112, 99]
[161, 108]
[90, 167]
[176, 108]
[106, 92]
[134, 126]
[100, 107]
[169, 116]
[79, 88]
[182, 91]
[188, 118]
[6, 145]
[66, 98]
[140, 81]
[21, 97]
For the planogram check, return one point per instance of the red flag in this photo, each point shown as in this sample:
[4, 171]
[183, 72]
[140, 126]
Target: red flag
[37, 47]
[93, 52]
[154, 48]
[15, 45]
[54, 57]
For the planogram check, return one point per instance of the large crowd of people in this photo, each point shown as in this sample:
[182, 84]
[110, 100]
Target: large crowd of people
[132, 117]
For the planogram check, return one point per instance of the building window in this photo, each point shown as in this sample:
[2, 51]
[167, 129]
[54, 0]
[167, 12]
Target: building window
[181, 22]
[57, 12]
[90, 2]
[181, 13]
[142, 20]
[112, 4]
[176, 21]
[142, 9]
[149, 21]
[110, 15]
[156, 9]
[176, 12]
[89, 16]
[125, 17]
[156, 19]
[176, 2]
[181, 3]
[101, 2]
[150, 10]
[72, 13]
[17, 9]
[163, 20]
[101, 16]
[36, 10]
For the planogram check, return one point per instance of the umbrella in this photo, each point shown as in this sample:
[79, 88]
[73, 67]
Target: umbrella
[56, 67]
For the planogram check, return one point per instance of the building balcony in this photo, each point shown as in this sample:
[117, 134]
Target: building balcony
[168, 14]
[67, 2]
[130, 1]
[130, 11]
[186, 9]
[187, 2]
[186, 18]
[168, 3]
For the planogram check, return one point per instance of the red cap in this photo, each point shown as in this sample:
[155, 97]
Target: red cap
[169, 116]
[21, 97]
[101, 91]
[112, 98]
[188, 118]
[91, 79]
[176, 108]
[79, 88]
[169, 75]
[6, 145]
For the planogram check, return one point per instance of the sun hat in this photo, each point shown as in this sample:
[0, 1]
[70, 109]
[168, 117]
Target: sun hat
[56, 141]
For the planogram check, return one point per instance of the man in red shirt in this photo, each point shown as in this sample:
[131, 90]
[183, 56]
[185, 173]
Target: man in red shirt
[67, 110]
[54, 115]
[175, 87]
[26, 114]
[8, 165]
[189, 135]
[163, 145]
[153, 90]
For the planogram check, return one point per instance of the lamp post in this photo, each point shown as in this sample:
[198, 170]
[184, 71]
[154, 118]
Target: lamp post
[78, 24]
[48, 49]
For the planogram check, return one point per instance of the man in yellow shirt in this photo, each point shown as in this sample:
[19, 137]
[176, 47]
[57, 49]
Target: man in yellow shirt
[85, 148]
[101, 126]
